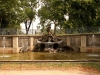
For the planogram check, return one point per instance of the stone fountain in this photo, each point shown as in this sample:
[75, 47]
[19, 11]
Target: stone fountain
[50, 42]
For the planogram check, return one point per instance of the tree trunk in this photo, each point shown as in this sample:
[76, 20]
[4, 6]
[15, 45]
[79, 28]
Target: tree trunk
[27, 27]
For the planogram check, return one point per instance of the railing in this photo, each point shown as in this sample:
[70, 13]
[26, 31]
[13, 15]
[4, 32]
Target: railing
[88, 29]
[9, 31]
[78, 30]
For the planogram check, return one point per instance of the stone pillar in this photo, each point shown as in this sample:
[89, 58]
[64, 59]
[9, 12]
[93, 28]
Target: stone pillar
[15, 45]
[31, 43]
[83, 44]
[68, 40]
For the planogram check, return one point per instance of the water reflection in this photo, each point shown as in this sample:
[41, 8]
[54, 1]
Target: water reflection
[94, 55]
[50, 56]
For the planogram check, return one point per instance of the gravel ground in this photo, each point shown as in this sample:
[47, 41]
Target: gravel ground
[45, 72]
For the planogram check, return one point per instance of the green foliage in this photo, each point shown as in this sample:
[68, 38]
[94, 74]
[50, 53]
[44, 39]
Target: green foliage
[82, 13]
[53, 10]
[9, 13]
[30, 14]
[29, 9]
[12, 12]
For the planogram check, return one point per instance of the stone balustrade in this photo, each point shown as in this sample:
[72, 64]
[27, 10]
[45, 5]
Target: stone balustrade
[85, 42]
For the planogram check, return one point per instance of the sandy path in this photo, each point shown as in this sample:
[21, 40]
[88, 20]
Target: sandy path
[45, 72]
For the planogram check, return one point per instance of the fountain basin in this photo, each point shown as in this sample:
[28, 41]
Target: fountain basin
[49, 44]
[40, 46]
[6, 50]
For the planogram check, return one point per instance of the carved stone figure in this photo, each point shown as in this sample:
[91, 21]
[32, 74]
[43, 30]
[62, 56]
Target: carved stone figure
[50, 42]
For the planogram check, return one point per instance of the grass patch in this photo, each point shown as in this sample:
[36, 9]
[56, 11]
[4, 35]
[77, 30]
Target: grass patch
[95, 67]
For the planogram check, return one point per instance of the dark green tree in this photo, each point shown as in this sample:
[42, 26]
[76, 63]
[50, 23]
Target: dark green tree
[29, 9]
[83, 13]
[13, 12]
[10, 13]
[52, 11]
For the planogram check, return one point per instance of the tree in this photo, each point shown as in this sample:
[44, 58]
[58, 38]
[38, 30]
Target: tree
[53, 10]
[10, 13]
[97, 7]
[83, 13]
[30, 14]
[29, 7]
[13, 12]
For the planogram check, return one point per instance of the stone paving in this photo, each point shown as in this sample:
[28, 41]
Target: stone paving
[45, 72]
